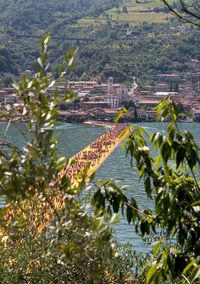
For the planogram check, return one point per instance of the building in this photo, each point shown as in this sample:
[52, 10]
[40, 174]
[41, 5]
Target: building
[6, 97]
[196, 115]
[172, 78]
[162, 87]
[113, 101]
[91, 105]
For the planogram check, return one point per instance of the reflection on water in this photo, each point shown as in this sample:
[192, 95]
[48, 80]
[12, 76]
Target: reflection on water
[74, 137]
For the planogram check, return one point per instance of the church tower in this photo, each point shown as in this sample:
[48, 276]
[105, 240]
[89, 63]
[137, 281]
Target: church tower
[110, 86]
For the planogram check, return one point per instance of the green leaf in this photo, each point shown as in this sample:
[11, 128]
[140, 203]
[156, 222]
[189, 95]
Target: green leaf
[153, 136]
[180, 156]
[165, 151]
[156, 248]
[189, 266]
[171, 134]
[192, 158]
[120, 113]
[115, 204]
[147, 185]
[65, 182]
[175, 145]
[114, 219]
[40, 62]
[196, 203]
[145, 227]
[151, 273]
[129, 214]
[197, 276]
[164, 114]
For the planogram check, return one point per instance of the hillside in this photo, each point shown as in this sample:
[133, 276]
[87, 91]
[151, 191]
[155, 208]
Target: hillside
[30, 15]
[124, 41]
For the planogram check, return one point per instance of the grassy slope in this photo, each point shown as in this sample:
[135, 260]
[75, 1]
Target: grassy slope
[137, 12]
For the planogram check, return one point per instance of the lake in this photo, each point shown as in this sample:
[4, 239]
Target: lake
[74, 137]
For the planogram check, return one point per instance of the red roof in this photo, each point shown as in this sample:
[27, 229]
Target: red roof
[169, 75]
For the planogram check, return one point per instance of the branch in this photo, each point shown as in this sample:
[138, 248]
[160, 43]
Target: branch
[9, 145]
[5, 134]
[177, 14]
[185, 9]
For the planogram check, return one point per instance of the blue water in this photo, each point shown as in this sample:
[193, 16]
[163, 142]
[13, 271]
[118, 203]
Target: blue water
[74, 137]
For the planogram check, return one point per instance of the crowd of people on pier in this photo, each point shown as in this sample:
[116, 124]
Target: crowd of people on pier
[91, 155]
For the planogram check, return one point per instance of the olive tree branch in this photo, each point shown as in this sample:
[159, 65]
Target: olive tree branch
[182, 17]
[9, 145]
[187, 11]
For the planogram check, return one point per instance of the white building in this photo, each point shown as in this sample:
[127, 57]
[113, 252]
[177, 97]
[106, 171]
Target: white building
[112, 100]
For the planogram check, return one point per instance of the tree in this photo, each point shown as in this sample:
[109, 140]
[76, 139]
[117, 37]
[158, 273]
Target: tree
[46, 235]
[33, 167]
[188, 13]
[170, 180]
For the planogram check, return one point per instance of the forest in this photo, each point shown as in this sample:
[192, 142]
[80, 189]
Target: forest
[107, 44]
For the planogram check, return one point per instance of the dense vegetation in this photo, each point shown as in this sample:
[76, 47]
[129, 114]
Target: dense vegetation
[59, 242]
[117, 47]
[46, 233]
[170, 172]
[147, 53]
[36, 18]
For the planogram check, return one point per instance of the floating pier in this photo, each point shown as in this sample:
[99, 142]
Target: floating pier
[43, 208]
[94, 155]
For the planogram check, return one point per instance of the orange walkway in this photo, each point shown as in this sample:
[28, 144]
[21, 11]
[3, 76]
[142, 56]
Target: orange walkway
[105, 152]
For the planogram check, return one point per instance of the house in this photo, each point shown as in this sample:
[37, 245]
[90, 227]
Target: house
[91, 105]
[3, 94]
[6, 97]
[170, 77]
[162, 87]
[146, 115]
[112, 100]
[147, 102]
[196, 114]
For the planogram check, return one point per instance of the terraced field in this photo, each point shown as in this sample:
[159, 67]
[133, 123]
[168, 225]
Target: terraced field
[136, 17]
[147, 11]
[152, 11]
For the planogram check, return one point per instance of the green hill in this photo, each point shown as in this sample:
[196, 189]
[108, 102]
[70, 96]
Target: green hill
[20, 19]
[30, 15]
[119, 45]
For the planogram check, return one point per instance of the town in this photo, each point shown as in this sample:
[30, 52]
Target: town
[101, 101]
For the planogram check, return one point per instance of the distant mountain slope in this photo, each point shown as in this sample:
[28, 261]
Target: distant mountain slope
[6, 65]
[27, 15]
[117, 48]
[37, 17]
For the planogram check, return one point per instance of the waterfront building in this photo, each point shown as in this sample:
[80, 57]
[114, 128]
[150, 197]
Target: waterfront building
[113, 101]
[91, 105]
[196, 114]
[6, 97]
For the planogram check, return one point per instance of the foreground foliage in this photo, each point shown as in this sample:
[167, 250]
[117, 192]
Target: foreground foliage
[171, 179]
[76, 249]
[46, 236]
